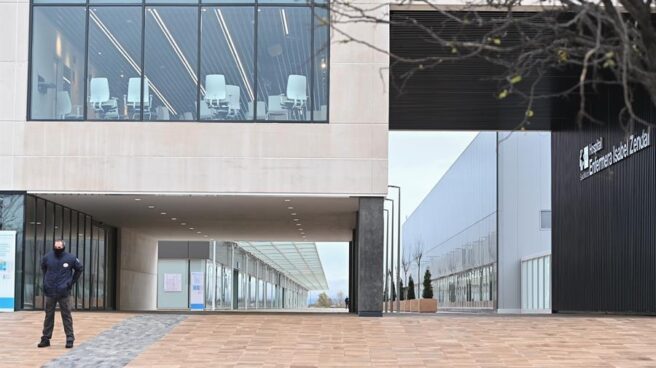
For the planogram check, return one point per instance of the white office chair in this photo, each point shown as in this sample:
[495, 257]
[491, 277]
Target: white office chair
[215, 90]
[133, 99]
[297, 95]
[63, 106]
[276, 109]
[205, 112]
[234, 107]
[261, 111]
[100, 100]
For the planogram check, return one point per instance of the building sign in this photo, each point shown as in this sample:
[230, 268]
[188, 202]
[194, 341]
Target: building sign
[197, 294]
[592, 160]
[7, 270]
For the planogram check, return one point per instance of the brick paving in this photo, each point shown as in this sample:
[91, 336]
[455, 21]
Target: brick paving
[324, 340]
[21, 331]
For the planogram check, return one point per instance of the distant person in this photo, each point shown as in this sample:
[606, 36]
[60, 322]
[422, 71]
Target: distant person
[61, 270]
[346, 302]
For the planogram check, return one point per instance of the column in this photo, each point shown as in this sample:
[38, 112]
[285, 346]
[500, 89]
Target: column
[370, 251]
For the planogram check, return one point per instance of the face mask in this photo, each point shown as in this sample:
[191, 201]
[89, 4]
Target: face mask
[58, 251]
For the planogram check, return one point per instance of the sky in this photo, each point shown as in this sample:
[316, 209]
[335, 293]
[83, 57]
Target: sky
[417, 160]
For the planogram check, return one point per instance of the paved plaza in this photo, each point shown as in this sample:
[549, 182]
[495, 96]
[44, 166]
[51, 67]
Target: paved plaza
[331, 340]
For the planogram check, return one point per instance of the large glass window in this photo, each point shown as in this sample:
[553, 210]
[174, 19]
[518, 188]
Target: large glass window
[171, 63]
[284, 52]
[320, 65]
[57, 65]
[227, 60]
[114, 67]
[179, 66]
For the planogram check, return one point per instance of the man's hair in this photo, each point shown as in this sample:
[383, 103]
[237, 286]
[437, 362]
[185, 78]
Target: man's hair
[60, 241]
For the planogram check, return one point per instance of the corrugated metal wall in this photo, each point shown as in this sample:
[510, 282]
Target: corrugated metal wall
[458, 95]
[604, 227]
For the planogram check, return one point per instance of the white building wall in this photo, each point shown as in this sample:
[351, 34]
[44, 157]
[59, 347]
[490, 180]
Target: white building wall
[137, 275]
[524, 191]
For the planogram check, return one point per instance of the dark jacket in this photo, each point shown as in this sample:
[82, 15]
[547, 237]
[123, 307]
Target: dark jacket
[60, 273]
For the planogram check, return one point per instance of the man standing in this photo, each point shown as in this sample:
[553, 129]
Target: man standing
[60, 272]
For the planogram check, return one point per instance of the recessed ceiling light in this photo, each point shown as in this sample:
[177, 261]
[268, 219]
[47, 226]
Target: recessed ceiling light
[205, 236]
[191, 228]
[173, 218]
[293, 213]
[302, 233]
[300, 229]
[162, 213]
[137, 199]
[290, 208]
[183, 223]
[295, 219]
[151, 207]
[199, 232]
[298, 224]
[288, 200]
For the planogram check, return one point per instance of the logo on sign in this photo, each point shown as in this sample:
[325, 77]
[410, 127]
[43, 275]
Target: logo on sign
[592, 161]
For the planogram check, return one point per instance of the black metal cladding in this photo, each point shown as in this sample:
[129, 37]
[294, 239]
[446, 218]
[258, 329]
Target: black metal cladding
[458, 95]
[604, 227]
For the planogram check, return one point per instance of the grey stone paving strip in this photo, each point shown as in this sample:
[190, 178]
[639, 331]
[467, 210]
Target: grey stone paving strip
[120, 344]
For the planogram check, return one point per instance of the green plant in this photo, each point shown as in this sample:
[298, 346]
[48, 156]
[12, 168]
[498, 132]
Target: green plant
[427, 293]
[411, 289]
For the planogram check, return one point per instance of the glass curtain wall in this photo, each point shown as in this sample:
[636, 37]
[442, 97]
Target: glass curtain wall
[92, 243]
[179, 60]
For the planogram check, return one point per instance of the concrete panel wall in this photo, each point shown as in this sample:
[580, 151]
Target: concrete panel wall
[138, 271]
[524, 191]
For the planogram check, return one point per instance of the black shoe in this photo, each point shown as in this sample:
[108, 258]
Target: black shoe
[44, 343]
[69, 344]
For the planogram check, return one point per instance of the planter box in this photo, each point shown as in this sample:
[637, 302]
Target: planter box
[419, 305]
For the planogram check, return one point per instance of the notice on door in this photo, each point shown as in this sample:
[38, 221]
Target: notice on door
[172, 282]
[197, 294]
[7, 270]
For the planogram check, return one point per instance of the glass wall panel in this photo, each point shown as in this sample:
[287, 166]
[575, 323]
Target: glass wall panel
[227, 64]
[321, 47]
[66, 228]
[86, 295]
[227, 287]
[114, 66]
[93, 269]
[110, 271]
[79, 300]
[284, 58]
[39, 252]
[30, 243]
[171, 62]
[102, 258]
[50, 227]
[59, 222]
[58, 45]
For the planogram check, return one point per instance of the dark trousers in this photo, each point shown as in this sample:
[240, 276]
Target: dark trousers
[49, 322]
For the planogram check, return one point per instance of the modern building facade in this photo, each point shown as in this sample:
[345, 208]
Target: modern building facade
[137, 122]
[485, 227]
[126, 123]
